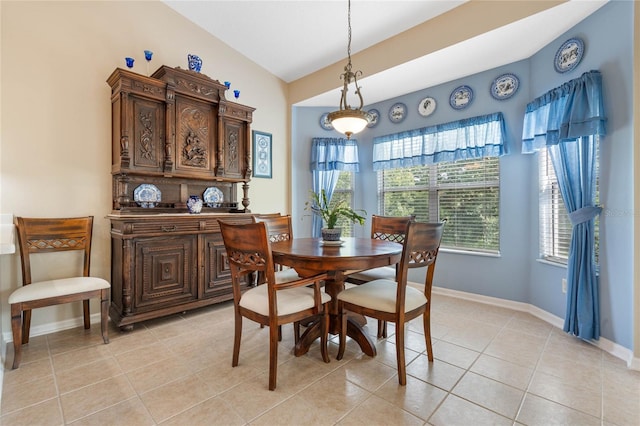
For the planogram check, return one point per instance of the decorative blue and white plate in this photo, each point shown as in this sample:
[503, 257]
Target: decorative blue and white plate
[461, 97]
[569, 55]
[504, 86]
[375, 117]
[213, 196]
[324, 122]
[427, 106]
[147, 195]
[397, 112]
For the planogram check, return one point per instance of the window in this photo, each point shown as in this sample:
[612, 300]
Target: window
[465, 192]
[555, 226]
[344, 191]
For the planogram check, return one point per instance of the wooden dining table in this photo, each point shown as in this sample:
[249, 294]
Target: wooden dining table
[309, 256]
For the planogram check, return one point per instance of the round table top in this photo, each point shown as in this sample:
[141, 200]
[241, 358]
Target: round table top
[354, 253]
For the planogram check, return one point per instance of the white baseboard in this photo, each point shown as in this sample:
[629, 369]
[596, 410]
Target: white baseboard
[608, 346]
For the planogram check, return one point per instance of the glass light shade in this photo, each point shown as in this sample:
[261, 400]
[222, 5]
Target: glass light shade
[349, 121]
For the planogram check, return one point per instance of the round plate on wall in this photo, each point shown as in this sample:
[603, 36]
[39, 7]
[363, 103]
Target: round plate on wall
[427, 106]
[324, 122]
[504, 86]
[397, 112]
[569, 55]
[461, 97]
[375, 117]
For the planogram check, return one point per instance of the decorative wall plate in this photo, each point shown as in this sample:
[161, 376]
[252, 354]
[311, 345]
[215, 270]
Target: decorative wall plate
[375, 114]
[213, 196]
[569, 55]
[504, 86]
[324, 122]
[461, 97]
[397, 112]
[147, 195]
[427, 106]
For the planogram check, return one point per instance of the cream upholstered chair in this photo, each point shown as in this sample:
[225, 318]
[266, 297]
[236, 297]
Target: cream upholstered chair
[44, 235]
[386, 228]
[394, 300]
[273, 303]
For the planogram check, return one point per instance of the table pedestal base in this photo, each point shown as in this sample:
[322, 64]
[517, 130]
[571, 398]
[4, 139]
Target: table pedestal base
[354, 330]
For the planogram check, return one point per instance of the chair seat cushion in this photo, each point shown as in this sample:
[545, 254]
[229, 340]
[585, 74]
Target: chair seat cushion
[381, 273]
[380, 295]
[55, 288]
[290, 300]
[286, 275]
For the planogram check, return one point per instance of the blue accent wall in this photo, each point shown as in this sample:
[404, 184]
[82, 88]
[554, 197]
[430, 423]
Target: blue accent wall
[517, 274]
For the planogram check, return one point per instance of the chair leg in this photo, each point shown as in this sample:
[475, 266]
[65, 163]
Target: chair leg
[26, 325]
[87, 314]
[402, 368]
[343, 331]
[426, 321]
[236, 339]
[104, 315]
[382, 329]
[325, 331]
[296, 332]
[273, 356]
[16, 328]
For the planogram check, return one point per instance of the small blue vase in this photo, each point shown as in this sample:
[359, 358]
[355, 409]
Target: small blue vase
[194, 204]
[129, 62]
[195, 63]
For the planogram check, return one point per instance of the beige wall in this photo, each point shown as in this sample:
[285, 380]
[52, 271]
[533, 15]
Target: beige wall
[56, 117]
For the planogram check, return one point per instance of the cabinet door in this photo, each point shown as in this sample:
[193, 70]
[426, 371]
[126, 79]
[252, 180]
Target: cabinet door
[166, 271]
[234, 149]
[217, 276]
[147, 131]
[195, 137]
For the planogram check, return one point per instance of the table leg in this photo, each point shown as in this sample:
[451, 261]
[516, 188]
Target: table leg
[333, 286]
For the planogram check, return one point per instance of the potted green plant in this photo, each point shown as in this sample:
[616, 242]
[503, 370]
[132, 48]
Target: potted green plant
[320, 206]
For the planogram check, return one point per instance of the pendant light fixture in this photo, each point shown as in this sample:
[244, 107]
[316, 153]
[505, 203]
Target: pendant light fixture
[349, 120]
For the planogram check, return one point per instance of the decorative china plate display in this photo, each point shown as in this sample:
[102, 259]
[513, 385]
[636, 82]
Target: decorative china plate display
[569, 55]
[461, 97]
[427, 106]
[324, 122]
[375, 117]
[332, 243]
[147, 195]
[397, 112]
[212, 196]
[504, 86]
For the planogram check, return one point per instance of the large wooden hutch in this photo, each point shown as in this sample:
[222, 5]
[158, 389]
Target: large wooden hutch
[174, 130]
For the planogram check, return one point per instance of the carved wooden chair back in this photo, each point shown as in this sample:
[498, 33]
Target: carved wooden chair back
[46, 235]
[390, 228]
[275, 303]
[278, 227]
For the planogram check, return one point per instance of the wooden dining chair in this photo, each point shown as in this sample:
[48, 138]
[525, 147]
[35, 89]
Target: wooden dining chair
[274, 303]
[394, 300]
[42, 235]
[386, 228]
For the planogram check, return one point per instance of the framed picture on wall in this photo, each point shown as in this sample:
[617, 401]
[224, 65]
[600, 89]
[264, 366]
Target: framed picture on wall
[261, 154]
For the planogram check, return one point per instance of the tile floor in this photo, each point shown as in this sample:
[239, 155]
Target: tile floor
[493, 366]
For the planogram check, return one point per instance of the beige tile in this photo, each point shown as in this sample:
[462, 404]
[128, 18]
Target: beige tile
[36, 350]
[368, 373]
[142, 356]
[456, 411]
[78, 357]
[261, 398]
[503, 371]
[334, 395]
[294, 411]
[44, 413]
[454, 354]
[528, 324]
[157, 374]
[131, 411]
[540, 411]
[87, 374]
[386, 353]
[59, 346]
[21, 395]
[376, 411]
[488, 393]
[587, 399]
[174, 397]
[129, 341]
[212, 412]
[96, 397]
[438, 373]
[417, 397]
[510, 346]
[28, 372]
[474, 336]
[580, 373]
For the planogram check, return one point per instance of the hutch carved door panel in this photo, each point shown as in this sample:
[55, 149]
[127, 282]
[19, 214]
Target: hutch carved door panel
[217, 276]
[196, 128]
[147, 131]
[166, 271]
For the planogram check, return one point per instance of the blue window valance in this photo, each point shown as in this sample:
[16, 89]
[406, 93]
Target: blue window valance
[334, 154]
[474, 137]
[565, 113]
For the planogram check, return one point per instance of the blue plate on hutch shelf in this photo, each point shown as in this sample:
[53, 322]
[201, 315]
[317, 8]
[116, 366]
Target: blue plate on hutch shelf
[212, 196]
[147, 195]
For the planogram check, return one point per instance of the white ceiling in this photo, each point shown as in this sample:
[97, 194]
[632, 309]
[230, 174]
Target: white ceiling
[294, 38]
